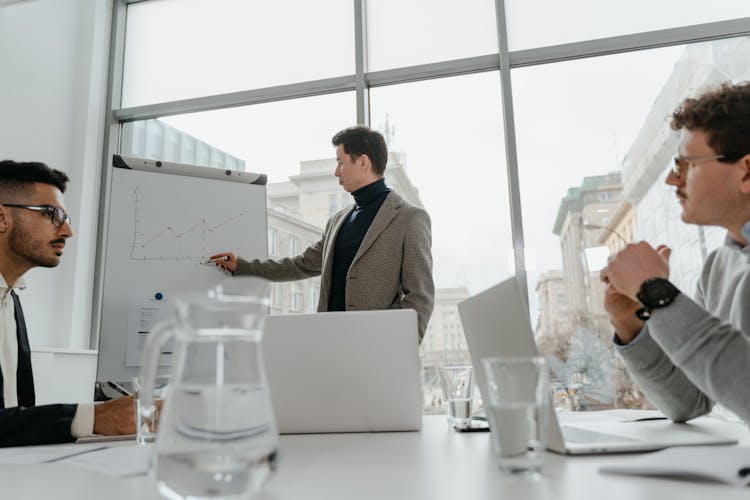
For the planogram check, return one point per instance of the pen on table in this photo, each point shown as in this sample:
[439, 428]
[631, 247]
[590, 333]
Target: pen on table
[118, 388]
[214, 261]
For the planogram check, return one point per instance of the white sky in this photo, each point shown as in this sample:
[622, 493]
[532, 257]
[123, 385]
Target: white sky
[569, 116]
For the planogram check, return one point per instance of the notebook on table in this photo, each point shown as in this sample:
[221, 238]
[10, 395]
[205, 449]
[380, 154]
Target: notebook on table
[354, 371]
[724, 464]
[495, 323]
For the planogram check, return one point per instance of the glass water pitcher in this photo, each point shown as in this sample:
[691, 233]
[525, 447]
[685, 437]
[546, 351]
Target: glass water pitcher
[217, 434]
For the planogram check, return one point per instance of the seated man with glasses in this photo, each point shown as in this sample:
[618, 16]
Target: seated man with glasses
[33, 229]
[688, 354]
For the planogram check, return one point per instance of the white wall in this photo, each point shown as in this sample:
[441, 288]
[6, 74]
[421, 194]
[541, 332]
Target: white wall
[53, 72]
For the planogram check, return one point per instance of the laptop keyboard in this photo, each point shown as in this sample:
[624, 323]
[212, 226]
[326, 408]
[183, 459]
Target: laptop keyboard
[578, 435]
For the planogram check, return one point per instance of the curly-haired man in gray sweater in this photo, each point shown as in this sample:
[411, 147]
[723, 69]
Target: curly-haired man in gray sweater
[688, 354]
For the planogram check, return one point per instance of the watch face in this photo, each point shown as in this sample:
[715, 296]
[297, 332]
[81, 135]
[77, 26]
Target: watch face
[657, 292]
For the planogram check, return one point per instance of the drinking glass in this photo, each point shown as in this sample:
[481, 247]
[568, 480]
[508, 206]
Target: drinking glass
[518, 410]
[147, 419]
[456, 384]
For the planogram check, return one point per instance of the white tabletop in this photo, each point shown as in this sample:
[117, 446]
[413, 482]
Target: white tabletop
[434, 464]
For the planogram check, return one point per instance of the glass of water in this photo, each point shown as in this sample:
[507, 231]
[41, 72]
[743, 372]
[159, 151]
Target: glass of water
[518, 411]
[456, 384]
[147, 419]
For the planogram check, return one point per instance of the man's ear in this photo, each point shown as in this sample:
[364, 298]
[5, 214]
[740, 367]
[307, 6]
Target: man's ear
[365, 161]
[745, 182]
[4, 219]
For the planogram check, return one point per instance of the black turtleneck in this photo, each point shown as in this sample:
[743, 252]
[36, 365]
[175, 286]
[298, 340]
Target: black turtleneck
[367, 202]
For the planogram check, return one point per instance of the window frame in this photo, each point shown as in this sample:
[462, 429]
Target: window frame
[362, 80]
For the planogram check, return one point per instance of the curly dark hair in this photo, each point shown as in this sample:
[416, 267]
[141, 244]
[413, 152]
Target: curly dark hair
[361, 140]
[20, 176]
[723, 113]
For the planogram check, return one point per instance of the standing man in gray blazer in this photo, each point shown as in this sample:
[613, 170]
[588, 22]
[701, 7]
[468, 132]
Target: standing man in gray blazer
[375, 254]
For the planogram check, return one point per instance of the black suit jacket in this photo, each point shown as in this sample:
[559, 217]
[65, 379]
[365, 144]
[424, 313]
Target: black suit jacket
[27, 423]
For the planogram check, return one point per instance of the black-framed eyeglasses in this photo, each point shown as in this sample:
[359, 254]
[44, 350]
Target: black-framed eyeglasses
[682, 163]
[55, 214]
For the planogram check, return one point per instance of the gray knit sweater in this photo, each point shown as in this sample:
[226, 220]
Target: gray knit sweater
[694, 353]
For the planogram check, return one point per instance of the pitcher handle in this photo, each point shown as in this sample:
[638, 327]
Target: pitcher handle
[150, 365]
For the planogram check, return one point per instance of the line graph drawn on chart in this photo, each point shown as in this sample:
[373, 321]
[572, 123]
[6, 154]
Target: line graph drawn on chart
[191, 240]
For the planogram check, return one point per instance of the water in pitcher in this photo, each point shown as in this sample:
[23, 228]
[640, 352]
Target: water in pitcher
[226, 453]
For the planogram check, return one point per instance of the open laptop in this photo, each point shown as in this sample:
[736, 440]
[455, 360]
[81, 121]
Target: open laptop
[495, 323]
[354, 371]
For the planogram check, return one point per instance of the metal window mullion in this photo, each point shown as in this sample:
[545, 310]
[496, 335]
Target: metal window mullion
[511, 154]
[455, 67]
[697, 33]
[235, 99]
[110, 147]
[354, 82]
[362, 93]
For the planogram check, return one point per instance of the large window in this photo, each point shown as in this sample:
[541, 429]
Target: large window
[263, 87]
[272, 138]
[451, 151]
[426, 31]
[564, 22]
[177, 49]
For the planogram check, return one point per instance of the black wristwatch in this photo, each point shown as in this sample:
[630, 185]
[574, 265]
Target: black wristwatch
[655, 293]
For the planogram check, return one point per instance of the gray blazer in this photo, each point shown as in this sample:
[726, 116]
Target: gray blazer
[391, 270]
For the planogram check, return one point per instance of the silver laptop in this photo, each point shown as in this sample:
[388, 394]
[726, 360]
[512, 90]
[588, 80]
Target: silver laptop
[355, 371]
[495, 323]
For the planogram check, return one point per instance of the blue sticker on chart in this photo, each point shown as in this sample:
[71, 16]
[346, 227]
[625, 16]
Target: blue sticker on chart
[158, 295]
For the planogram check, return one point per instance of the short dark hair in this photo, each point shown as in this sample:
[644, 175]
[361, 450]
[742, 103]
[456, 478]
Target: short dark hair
[723, 113]
[361, 140]
[19, 176]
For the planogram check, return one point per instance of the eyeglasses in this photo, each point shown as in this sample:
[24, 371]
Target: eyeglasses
[682, 163]
[55, 214]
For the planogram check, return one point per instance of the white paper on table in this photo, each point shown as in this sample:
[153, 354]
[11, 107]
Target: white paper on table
[23, 455]
[120, 461]
[726, 464]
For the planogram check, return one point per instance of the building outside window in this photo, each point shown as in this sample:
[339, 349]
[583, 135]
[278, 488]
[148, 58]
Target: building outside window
[294, 246]
[333, 203]
[297, 297]
[273, 242]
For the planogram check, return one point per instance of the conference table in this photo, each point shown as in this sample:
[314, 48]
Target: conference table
[436, 463]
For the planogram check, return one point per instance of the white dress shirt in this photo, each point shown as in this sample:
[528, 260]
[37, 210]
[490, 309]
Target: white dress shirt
[9, 342]
[83, 422]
